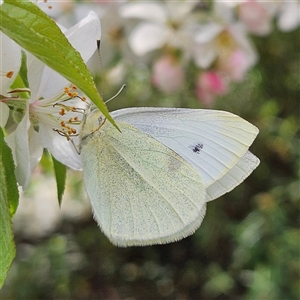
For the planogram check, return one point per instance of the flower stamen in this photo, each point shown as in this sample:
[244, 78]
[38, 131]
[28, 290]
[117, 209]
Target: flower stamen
[62, 112]
[9, 74]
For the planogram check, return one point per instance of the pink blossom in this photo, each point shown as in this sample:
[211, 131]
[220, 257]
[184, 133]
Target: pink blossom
[209, 85]
[235, 66]
[256, 16]
[168, 74]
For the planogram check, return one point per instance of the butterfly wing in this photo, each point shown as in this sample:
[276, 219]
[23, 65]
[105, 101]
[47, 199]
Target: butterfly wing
[214, 142]
[141, 191]
[238, 173]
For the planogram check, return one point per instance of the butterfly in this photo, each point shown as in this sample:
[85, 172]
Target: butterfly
[149, 182]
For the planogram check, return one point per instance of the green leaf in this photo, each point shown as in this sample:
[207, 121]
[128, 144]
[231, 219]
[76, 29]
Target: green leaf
[17, 107]
[33, 30]
[8, 193]
[23, 70]
[9, 178]
[60, 171]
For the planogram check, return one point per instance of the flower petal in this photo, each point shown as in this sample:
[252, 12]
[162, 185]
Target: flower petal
[255, 16]
[147, 37]
[19, 141]
[35, 148]
[289, 17]
[84, 35]
[60, 147]
[180, 11]
[10, 62]
[146, 11]
[204, 55]
[206, 33]
[43, 81]
[35, 70]
[241, 37]
[168, 74]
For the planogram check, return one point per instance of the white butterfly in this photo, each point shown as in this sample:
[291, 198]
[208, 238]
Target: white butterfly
[149, 183]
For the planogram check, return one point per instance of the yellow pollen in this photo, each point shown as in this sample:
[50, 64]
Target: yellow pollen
[226, 42]
[74, 87]
[62, 112]
[9, 74]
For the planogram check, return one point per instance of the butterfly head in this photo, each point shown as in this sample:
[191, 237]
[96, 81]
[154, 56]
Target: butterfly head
[91, 123]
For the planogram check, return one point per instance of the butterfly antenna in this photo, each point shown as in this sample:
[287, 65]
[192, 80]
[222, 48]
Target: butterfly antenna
[117, 94]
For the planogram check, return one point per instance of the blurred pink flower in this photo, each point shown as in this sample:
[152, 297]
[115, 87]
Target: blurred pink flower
[168, 74]
[257, 16]
[235, 66]
[209, 85]
[215, 42]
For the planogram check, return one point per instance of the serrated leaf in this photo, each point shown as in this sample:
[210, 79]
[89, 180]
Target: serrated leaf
[7, 246]
[60, 172]
[33, 30]
[8, 192]
[9, 172]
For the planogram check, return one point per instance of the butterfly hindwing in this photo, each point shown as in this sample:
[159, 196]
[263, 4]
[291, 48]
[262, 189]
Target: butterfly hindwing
[141, 191]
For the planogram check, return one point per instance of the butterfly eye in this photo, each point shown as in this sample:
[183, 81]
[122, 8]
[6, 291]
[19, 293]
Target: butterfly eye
[100, 120]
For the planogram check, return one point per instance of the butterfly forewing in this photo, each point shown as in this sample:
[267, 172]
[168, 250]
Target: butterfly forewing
[214, 142]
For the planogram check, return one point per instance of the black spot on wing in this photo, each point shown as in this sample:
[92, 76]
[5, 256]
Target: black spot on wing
[197, 147]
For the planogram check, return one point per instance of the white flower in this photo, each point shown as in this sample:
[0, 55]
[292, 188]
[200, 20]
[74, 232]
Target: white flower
[235, 66]
[168, 74]
[45, 112]
[289, 15]
[10, 63]
[205, 50]
[164, 24]
[215, 41]
[219, 38]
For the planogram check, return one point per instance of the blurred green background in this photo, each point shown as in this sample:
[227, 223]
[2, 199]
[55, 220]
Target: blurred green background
[248, 245]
